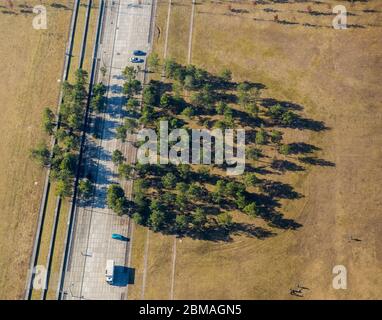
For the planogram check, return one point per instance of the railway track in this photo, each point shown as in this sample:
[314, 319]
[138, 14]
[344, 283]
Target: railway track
[42, 225]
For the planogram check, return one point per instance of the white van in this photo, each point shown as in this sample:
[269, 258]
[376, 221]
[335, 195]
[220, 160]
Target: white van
[109, 271]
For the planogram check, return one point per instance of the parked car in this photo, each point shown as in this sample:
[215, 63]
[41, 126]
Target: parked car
[118, 236]
[139, 53]
[136, 60]
[109, 273]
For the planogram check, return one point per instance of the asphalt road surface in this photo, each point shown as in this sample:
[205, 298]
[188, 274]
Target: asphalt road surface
[126, 28]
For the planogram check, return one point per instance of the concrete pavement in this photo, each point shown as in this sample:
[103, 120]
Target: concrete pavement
[126, 28]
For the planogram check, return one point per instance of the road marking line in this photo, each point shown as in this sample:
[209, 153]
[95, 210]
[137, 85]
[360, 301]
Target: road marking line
[145, 265]
[130, 233]
[167, 28]
[173, 271]
[190, 34]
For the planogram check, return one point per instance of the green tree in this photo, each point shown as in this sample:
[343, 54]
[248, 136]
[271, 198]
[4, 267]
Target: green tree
[140, 185]
[165, 100]
[181, 222]
[61, 134]
[68, 163]
[64, 188]
[130, 124]
[157, 219]
[276, 136]
[132, 87]
[132, 104]
[71, 142]
[253, 153]
[228, 117]
[48, 120]
[168, 199]
[243, 87]
[116, 199]
[195, 191]
[251, 209]
[170, 68]
[85, 189]
[153, 61]
[117, 157]
[250, 179]
[125, 171]
[189, 82]
[98, 100]
[288, 118]
[188, 112]
[182, 187]
[261, 137]
[74, 121]
[220, 186]
[219, 192]
[243, 94]
[204, 173]
[285, 149]
[226, 75]
[240, 199]
[78, 93]
[129, 73]
[221, 107]
[169, 180]
[276, 111]
[150, 94]
[233, 187]
[181, 201]
[184, 171]
[199, 218]
[220, 124]
[224, 219]
[138, 218]
[99, 89]
[252, 109]
[41, 154]
[121, 133]
[103, 70]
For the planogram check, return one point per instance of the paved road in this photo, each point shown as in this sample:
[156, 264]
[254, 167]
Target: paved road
[126, 27]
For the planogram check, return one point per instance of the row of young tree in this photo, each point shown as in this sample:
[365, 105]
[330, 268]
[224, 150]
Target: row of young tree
[67, 127]
[116, 198]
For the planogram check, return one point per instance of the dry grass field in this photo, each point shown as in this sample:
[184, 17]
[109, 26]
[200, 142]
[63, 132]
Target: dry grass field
[333, 77]
[52, 198]
[31, 64]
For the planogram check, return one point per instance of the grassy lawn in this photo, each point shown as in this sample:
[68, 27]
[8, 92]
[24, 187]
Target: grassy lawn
[159, 266]
[179, 30]
[137, 261]
[160, 26]
[159, 259]
[330, 77]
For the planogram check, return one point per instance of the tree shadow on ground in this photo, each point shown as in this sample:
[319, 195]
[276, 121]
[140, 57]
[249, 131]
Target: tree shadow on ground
[277, 189]
[317, 161]
[59, 6]
[302, 147]
[287, 105]
[285, 165]
[216, 233]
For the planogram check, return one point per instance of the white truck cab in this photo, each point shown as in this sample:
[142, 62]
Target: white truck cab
[109, 271]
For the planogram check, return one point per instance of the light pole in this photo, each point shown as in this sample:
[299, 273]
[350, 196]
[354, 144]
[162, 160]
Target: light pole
[71, 292]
